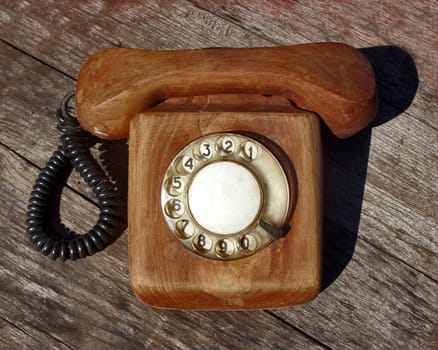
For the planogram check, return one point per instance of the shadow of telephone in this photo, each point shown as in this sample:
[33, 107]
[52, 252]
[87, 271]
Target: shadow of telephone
[225, 175]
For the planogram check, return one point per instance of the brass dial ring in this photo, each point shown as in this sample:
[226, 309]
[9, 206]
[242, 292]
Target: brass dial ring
[225, 196]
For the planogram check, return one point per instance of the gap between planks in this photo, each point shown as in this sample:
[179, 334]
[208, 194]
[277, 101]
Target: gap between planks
[94, 202]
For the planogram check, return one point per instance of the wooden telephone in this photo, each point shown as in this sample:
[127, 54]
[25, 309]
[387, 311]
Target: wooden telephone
[224, 203]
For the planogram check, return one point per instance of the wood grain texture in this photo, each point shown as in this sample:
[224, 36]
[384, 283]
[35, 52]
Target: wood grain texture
[89, 304]
[403, 140]
[406, 26]
[334, 80]
[166, 274]
[88, 27]
[409, 26]
[380, 223]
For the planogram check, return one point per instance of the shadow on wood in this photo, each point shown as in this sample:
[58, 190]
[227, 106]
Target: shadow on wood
[346, 161]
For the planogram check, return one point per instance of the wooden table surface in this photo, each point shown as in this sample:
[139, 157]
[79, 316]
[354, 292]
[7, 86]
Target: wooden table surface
[380, 266]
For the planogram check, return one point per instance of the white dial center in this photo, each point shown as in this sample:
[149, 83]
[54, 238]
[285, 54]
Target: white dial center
[224, 197]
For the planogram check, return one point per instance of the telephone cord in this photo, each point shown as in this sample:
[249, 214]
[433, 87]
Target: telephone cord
[74, 151]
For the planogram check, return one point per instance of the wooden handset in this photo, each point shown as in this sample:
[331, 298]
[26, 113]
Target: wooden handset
[224, 204]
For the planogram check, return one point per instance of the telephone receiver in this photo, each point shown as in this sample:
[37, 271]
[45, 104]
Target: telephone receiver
[225, 167]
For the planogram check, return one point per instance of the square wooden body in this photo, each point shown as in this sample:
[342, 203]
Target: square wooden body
[166, 274]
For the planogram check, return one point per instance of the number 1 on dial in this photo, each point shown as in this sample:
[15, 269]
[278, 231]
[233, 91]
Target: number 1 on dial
[250, 150]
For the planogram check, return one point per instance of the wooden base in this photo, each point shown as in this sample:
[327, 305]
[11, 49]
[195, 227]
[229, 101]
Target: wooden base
[163, 272]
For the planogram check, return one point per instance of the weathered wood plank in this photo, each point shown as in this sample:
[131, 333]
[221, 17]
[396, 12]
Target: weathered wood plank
[245, 9]
[116, 255]
[171, 25]
[395, 148]
[376, 303]
[89, 26]
[397, 206]
[402, 158]
[13, 337]
[35, 28]
[88, 304]
[408, 24]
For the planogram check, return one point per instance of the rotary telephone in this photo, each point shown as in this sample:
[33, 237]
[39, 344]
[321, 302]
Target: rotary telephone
[225, 187]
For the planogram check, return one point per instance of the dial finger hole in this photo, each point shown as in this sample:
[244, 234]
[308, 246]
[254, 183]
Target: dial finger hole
[224, 248]
[248, 243]
[227, 145]
[249, 151]
[175, 185]
[204, 151]
[174, 208]
[185, 229]
[202, 243]
[185, 165]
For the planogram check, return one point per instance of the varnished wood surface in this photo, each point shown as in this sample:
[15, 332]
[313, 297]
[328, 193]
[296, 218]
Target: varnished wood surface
[380, 215]
[334, 80]
[166, 274]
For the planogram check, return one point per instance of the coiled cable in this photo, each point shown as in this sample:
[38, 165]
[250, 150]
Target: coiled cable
[75, 150]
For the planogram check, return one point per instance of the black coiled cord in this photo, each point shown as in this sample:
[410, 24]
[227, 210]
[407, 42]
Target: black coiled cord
[75, 150]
